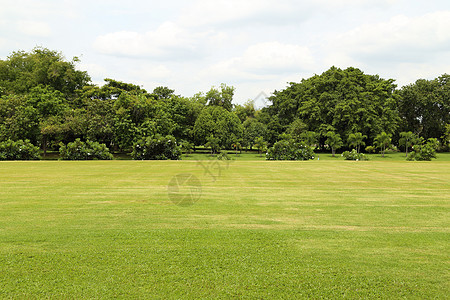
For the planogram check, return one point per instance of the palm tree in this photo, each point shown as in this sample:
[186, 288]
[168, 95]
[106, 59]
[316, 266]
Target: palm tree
[334, 141]
[407, 139]
[383, 140]
[356, 140]
[236, 146]
[261, 145]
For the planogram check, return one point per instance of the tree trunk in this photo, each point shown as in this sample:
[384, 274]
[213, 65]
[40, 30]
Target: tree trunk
[333, 151]
[44, 144]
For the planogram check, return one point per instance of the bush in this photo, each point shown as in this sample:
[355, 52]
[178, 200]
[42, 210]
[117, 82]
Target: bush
[370, 149]
[156, 148]
[88, 150]
[288, 149]
[18, 150]
[424, 152]
[353, 155]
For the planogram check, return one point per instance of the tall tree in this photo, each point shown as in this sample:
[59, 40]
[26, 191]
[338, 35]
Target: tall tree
[223, 98]
[344, 101]
[407, 139]
[245, 111]
[22, 71]
[334, 140]
[356, 140]
[252, 130]
[309, 138]
[261, 145]
[213, 144]
[425, 106]
[383, 140]
[217, 121]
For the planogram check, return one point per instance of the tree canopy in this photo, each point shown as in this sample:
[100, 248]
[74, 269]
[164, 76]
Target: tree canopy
[46, 100]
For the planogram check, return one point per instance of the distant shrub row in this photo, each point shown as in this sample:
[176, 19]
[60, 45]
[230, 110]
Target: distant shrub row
[150, 148]
[160, 147]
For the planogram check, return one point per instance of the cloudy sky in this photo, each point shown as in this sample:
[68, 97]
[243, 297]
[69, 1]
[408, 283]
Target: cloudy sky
[255, 45]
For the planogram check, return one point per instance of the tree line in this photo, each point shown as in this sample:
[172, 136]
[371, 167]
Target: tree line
[45, 100]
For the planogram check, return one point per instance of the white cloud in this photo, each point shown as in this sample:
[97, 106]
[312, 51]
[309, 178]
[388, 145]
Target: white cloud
[401, 39]
[168, 41]
[279, 12]
[152, 72]
[34, 28]
[263, 61]
[238, 13]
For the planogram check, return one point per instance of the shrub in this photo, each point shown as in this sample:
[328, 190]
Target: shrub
[156, 148]
[288, 149]
[424, 151]
[88, 150]
[18, 150]
[370, 149]
[354, 155]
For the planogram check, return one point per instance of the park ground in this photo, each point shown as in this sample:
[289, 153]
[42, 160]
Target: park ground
[246, 228]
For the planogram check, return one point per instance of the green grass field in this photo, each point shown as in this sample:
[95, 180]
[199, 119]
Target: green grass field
[258, 229]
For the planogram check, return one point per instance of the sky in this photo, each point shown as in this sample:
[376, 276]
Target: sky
[257, 46]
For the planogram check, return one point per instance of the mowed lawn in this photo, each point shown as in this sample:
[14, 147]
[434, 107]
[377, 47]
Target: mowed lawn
[317, 229]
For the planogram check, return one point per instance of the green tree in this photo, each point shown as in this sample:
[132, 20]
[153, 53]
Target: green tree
[407, 139]
[187, 147]
[446, 136]
[309, 138]
[356, 140]
[222, 98]
[424, 106]
[253, 129]
[18, 119]
[163, 93]
[343, 101]
[217, 121]
[237, 146]
[22, 71]
[296, 129]
[261, 145]
[213, 144]
[334, 140]
[245, 111]
[383, 140]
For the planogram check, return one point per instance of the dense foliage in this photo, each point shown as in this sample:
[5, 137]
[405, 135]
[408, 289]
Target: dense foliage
[424, 151]
[353, 155]
[88, 150]
[18, 150]
[342, 101]
[46, 100]
[289, 149]
[156, 148]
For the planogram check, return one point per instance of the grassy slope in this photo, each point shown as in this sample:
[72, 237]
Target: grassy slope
[260, 229]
